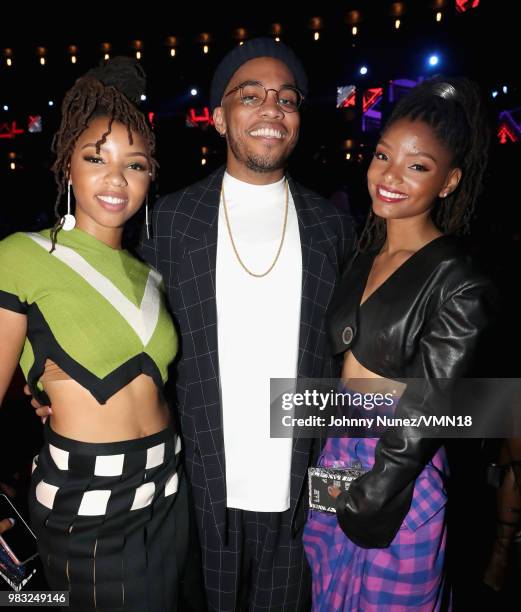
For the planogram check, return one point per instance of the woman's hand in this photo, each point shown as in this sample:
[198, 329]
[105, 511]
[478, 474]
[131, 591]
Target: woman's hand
[334, 492]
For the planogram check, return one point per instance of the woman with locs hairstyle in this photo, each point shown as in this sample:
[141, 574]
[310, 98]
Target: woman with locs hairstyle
[411, 305]
[89, 324]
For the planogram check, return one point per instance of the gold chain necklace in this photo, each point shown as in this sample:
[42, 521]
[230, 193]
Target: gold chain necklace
[233, 241]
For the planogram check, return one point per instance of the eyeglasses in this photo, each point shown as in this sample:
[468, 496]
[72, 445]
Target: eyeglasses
[254, 94]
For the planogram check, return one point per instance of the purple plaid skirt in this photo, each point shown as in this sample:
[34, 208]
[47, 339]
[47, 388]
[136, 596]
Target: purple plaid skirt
[408, 574]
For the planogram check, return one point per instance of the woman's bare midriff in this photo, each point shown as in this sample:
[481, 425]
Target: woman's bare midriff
[357, 377]
[135, 411]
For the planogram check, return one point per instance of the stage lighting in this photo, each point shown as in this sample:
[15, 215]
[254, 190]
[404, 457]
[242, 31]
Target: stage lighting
[363, 70]
[193, 92]
[434, 60]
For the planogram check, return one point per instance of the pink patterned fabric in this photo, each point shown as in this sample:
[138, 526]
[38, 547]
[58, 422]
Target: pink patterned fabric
[408, 575]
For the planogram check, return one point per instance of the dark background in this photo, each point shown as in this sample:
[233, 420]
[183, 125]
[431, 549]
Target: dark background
[481, 43]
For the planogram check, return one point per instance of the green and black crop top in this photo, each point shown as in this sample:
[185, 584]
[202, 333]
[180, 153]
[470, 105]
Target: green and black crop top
[97, 312]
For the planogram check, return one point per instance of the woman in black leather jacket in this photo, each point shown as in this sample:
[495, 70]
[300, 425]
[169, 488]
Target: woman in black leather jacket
[411, 304]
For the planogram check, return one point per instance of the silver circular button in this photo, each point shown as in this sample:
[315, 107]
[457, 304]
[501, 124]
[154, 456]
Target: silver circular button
[347, 335]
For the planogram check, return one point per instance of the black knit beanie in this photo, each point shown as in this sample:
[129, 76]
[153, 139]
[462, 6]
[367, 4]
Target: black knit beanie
[251, 49]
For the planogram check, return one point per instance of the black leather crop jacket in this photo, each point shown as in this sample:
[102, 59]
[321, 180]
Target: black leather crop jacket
[425, 322]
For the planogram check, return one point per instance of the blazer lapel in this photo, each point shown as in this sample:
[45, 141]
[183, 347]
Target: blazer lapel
[198, 245]
[319, 276]
[197, 275]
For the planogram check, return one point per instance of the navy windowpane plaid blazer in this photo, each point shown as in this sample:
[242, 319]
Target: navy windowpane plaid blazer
[183, 248]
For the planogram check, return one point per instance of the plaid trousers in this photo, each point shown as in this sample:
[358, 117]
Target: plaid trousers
[261, 568]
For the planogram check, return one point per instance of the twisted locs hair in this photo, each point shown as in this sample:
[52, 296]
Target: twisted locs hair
[112, 91]
[453, 108]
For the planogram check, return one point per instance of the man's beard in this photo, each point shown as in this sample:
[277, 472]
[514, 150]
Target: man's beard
[257, 163]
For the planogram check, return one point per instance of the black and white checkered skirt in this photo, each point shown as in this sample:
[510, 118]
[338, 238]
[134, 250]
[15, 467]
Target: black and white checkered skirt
[106, 516]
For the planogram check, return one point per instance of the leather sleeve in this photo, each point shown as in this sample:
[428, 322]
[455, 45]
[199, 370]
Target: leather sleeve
[372, 511]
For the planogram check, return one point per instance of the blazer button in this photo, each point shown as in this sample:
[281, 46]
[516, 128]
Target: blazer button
[347, 335]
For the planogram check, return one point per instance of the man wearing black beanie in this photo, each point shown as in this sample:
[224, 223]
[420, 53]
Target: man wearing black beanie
[250, 259]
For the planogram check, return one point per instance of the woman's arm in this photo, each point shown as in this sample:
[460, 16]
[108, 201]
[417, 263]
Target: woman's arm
[13, 330]
[373, 509]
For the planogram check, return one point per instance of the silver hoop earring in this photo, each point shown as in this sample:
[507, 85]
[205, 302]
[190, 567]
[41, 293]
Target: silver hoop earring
[146, 218]
[68, 222]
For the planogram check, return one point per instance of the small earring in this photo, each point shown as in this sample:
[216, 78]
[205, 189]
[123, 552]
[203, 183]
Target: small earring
[68, 222]
[146, 218]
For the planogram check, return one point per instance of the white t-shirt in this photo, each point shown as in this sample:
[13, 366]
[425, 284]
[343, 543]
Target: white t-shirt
[258, 325]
